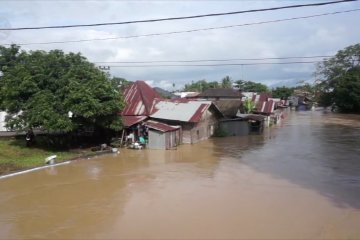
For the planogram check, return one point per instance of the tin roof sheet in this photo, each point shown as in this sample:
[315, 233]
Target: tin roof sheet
[131, 120]
[162, 127]
[180, 110]
[139, 99]
[265, 107]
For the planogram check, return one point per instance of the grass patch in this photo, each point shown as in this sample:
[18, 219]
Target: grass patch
[15, 156]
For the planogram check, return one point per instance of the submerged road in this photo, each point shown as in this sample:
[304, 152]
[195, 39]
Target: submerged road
[300, 180]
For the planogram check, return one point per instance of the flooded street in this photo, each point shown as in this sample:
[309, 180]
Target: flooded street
[299, 180]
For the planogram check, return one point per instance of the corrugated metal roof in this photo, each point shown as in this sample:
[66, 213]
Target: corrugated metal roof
[162, 127]
[139, 99]
[264, 96]
[255, 117]
[180, 110]
[228, 107]
[265, 107]
[131, 120]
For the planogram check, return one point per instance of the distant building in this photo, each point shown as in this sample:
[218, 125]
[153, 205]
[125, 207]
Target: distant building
[220, 94]
[186, 94]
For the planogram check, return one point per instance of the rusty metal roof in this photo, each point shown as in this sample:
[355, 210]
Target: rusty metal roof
[261, 97]
[266, 107]
[162, 127]
[139, 99]
[228, 107]
[131, 120]
[255, 117]
[180, 110]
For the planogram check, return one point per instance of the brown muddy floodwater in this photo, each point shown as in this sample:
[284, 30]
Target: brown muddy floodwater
[300, 180]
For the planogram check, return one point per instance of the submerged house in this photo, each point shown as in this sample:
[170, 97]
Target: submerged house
[198, 119]
[169, 122]
[163, 136]
[243, 125]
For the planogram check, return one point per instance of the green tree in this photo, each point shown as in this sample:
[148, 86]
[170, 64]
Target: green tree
[42, 89]
[197, 86]
[282, 92]
[248, 105]
[226, 82]
[338, 80]
[249, 86]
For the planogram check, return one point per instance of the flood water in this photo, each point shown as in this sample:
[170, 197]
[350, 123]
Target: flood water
[300, 180]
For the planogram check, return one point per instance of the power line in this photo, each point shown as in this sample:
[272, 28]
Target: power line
[214, 65]
[185, 31]
[177, 18]
[218, 60]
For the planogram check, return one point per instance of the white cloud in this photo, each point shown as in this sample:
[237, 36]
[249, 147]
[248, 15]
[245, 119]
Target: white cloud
[317, 36]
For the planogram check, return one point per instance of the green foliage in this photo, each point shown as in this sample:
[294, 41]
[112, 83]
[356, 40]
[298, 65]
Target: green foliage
[202, 85]
[220, 132]
[226, 82]
[120, 83]
[338, 82]
[38, 89]
[197, 86]
[248, 105]
[249, 86]
[282, 92]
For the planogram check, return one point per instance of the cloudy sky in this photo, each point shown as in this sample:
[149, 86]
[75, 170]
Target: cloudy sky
[323, 35]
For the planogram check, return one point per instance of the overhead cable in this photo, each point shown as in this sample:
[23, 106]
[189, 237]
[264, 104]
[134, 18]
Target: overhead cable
[177, 18]
[212, 65]
[215, 60]
[184, 31]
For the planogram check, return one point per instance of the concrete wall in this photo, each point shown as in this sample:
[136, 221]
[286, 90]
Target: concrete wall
[2, 121]
[235, 128]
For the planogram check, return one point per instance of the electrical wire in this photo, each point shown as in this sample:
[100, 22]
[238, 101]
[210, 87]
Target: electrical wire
[218, 60]
[184, 31]
[213, 65]
[177, 18]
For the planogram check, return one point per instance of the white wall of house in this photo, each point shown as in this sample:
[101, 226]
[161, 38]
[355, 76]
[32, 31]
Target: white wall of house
[2, 121]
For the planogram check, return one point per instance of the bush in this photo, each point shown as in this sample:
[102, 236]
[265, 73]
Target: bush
[220, 132]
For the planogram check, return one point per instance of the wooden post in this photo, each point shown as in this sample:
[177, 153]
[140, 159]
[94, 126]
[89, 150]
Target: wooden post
[122, 137]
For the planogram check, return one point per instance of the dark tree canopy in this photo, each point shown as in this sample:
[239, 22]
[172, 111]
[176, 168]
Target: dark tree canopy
[282, 92]
[56, 91]
[338, 80]
[226, 82]
[249, 86]
[200, 86]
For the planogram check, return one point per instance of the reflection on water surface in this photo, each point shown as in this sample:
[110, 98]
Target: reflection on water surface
[299, 180]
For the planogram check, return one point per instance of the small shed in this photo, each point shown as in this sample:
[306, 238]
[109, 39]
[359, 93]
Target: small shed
[235, 127]
[163, 136]
[243, 125]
